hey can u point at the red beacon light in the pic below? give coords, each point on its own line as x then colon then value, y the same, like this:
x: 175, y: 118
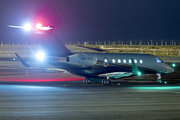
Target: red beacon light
x: 38, y: 26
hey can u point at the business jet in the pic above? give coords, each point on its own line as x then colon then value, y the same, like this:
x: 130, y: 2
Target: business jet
x: 98, y: 67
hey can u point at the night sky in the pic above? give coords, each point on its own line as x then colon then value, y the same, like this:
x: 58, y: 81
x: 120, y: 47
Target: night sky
x: 92, y: 20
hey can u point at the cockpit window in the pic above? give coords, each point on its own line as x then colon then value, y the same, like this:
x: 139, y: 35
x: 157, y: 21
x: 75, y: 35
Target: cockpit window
x: 158, y: 60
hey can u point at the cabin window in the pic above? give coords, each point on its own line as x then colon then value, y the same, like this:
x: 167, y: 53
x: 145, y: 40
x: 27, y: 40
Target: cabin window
x: 158, y: 60
x: 124, y: 61
x: 129, y: 61
x: 105, y: 60
x: 119, y: 61
x: 113, y: 61
x: 141, y: 61
x: 135, y: 61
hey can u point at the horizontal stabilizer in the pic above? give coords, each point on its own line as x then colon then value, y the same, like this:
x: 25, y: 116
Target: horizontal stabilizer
x: 97, y: 49
x: 22, y: 61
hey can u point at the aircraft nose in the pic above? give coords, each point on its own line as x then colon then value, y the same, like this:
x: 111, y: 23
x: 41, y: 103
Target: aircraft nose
x: 169, y: 69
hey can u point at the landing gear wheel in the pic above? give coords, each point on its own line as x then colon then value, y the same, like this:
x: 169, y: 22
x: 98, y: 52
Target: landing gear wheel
x: 106, y: 81
x: 87, y: 81
x: 84, y: 81
x: 159, y: 81
x: 159, y: 78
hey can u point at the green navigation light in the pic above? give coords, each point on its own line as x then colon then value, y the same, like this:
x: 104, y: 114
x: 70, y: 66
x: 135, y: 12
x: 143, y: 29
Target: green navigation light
x: 139, y: 73
x: 173, y: 65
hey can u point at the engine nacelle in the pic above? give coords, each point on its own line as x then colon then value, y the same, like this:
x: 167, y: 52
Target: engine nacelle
x: 82, y: 59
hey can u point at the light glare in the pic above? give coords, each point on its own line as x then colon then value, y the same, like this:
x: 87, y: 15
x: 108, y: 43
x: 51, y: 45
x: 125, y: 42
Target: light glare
x: 27, y: 26
x: 38, y: 25
x: 139, y: 73
x: 40, y: 56
x: 174, y: 65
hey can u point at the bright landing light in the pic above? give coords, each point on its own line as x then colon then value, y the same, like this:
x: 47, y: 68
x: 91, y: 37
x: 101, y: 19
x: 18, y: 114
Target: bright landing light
x: 27, y: 26
x: 40, y: 56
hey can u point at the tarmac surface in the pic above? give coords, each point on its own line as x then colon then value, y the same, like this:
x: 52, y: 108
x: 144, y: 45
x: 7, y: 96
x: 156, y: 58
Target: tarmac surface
x: 53, y: 96
x: 48, y: 95
x: 75, y: 101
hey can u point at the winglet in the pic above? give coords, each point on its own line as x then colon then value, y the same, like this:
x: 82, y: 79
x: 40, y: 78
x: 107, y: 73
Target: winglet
x: 22, y: 61
x: 135, y: 69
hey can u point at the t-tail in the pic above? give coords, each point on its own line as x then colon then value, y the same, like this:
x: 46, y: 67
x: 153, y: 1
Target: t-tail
x: 52, y: 46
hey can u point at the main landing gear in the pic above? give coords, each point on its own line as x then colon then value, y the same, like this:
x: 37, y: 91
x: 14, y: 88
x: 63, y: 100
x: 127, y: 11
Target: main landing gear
x: 87, y: 81
x: 159, y: 78
x: 106, y: 81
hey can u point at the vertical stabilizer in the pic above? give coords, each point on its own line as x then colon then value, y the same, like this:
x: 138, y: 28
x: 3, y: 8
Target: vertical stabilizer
x: 52, y: 46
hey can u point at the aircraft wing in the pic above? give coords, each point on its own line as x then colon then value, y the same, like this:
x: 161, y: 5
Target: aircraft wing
x: 116, y: 75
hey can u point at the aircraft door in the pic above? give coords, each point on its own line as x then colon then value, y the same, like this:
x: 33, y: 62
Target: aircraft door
x: 105, y: 62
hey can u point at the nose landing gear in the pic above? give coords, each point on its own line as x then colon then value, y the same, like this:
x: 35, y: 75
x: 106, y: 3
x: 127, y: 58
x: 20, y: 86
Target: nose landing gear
x: 105, y: 81
x: 159, y: 78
